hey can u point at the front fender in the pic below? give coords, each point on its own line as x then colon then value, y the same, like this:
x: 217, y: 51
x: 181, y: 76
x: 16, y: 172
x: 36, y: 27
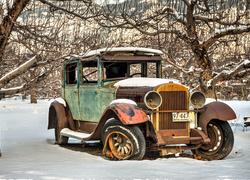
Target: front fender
x: 215, y: 110
x: 129, y: 113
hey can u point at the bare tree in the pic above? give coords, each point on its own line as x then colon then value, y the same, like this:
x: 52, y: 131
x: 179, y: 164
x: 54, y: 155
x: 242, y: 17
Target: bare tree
x: 32, y: 51
x: 194, y: 34
x: 8, y: 21
x: 40, y: 40
x: 198, y: 24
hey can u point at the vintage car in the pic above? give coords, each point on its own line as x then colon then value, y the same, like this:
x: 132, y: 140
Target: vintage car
x: 117, y: 96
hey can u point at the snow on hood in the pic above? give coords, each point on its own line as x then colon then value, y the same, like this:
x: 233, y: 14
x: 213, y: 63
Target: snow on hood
x: 144, y: 82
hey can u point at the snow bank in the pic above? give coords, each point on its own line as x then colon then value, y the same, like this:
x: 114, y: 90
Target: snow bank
x: 29, y: 152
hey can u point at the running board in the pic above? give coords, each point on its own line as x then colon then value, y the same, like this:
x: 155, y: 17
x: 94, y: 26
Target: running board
x: 77, y: 135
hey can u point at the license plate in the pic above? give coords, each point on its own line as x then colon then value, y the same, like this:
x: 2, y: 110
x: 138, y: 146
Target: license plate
x: 180, y: 116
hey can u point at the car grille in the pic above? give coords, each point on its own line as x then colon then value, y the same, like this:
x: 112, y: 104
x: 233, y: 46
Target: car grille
x: 172, y: 100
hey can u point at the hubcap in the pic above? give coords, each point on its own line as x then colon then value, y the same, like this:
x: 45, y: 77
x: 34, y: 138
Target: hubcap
x: 120, y: 145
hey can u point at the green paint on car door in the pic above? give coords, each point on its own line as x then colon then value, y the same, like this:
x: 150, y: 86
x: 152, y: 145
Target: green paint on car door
x: 93, y: 101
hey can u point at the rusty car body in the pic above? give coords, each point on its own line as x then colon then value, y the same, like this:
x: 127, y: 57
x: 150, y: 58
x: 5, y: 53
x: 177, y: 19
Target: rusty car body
x: 118, y: 96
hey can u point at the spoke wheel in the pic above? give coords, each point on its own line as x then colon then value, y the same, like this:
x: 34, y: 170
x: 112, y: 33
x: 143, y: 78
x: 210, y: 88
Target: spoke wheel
x: 221, y: 141
x: 123, y: 142
x: 120, y: 145
x: 215, y: 134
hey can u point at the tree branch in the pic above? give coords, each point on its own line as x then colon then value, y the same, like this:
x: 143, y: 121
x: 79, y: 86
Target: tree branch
x: 217, y: 20
x: 24, y: 87
x: 225, y: 32
x: 67, y: 11
x: 16, y: 72
x: 240, y: 71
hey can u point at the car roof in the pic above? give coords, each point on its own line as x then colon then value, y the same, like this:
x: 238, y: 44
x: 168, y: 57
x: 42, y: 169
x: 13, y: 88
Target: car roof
x: 119, y: 51
x: 142, y: 51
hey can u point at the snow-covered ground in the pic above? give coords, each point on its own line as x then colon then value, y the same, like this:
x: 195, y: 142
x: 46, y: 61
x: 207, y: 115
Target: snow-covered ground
x: 28, y: 152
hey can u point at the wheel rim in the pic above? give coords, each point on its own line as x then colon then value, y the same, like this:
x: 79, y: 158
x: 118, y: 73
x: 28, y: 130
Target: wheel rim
x: 216, y: 136
x: 120, y: 145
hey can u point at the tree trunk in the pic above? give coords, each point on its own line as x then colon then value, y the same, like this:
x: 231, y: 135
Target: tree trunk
x: 24, y: 95
x: 33, y: 98
x: 205, y: 64
x: 200, y: 52
x: 208, y: 91
x: 7, y: 23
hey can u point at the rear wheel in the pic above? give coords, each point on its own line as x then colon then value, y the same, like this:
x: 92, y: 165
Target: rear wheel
x: 123, y: 142
x: 221, y: 144
x: 58, y: 127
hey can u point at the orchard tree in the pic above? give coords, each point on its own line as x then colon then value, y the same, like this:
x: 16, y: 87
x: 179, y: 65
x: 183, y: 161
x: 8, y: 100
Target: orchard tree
x: 39, y: 41
x: 19, y: 52
x: 196, y: 36
x: 30, y: 47
x: 8, y: 20
x: 199, y: 25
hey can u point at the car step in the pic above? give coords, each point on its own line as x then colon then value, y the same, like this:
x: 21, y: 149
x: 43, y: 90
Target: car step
x: 77, y: 135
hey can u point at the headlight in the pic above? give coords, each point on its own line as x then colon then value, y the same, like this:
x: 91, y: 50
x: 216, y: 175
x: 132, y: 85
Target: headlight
x: 153, y: 100
x: 197, y: 99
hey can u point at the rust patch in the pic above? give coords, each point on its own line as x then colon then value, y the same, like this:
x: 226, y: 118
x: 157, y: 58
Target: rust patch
x: 129, y: 113
x: 215, y: 110
x: 198, y: 133
x: 134, y: 93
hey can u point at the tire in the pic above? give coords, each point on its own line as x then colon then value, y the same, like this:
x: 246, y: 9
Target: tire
x: 124, y: 142
x: 61, y: 140
x: 221, y: 144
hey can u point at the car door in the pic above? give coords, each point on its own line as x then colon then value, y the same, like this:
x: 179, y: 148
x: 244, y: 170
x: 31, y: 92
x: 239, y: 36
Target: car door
x: 71, y: 88
x: 93, y: 98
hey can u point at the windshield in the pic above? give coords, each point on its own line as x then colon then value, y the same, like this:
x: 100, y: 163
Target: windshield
x: 122, y: 70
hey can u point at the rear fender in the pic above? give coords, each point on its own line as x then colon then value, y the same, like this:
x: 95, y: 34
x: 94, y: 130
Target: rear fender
x: 63, y: 114
x: 56, y: 109
x: 215, y: 110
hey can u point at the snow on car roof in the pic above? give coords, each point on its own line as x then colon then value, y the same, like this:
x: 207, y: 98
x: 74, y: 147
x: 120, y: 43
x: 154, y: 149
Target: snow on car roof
x: 147, y: 51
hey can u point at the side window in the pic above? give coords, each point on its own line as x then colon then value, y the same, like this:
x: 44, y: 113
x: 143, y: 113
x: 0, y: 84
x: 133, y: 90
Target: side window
x: 89, y: 72
x: 152, y: 70
x: 115, y: 70
x: 71, y: 73
x: 136, y: 70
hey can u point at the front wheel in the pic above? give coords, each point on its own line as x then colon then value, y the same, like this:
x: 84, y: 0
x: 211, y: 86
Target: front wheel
x: 123, y: 142
x: 221, y: 144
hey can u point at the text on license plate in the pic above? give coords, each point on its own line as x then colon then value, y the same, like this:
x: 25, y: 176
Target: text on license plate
x: 180, y: 116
